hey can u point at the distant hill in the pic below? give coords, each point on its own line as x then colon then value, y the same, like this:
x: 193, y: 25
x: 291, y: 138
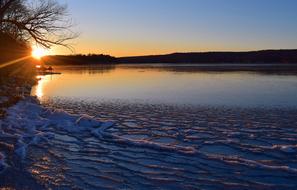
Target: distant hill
x: 261, y: 57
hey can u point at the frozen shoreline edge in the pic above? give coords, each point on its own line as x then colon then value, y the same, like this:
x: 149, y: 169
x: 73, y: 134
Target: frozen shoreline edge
x: 28, y: 123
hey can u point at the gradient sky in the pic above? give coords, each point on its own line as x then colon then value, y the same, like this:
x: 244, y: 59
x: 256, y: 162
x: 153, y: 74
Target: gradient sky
x: 141, y: 27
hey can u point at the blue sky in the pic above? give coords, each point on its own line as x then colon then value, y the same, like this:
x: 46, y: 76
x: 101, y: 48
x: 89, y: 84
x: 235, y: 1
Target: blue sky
x: 138, y: 27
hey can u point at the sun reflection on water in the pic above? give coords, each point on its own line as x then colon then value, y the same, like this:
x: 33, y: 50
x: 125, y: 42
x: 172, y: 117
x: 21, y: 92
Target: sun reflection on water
x: 39, y: 88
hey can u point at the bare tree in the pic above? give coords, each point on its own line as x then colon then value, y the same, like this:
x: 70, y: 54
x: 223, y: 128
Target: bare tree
x: 41, y: 21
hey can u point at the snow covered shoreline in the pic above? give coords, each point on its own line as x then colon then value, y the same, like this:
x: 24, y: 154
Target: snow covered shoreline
x: 29, y: 123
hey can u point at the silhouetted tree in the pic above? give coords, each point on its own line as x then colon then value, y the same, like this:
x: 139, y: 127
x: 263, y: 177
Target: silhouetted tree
x: 44, y: 22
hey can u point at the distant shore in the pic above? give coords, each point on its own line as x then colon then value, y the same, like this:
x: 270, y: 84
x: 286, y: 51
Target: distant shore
x: 249, y: 57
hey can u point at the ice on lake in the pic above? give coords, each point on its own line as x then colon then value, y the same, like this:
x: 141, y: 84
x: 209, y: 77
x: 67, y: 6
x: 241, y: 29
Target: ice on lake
x: 73, y: 142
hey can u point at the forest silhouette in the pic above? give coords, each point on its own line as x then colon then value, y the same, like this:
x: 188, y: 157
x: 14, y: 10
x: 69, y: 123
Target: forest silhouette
x: 251, y: 57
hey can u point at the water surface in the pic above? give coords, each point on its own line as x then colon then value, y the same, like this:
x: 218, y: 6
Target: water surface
x: 167, y: 84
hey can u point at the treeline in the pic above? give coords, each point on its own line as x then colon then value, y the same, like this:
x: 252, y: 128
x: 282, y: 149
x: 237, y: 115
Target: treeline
x: 261, y: 57
x: 79, y: 59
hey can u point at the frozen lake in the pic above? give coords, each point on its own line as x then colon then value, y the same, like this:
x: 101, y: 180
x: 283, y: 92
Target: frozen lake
x: 165, y: 128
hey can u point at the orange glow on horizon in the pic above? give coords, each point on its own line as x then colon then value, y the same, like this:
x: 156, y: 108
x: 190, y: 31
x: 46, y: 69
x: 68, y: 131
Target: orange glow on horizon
x: 131, y: 48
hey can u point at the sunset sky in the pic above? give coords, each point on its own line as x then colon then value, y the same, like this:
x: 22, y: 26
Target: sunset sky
x: 141, y: 27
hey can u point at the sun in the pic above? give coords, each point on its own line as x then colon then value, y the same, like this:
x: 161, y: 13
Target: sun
x: 38, y: 53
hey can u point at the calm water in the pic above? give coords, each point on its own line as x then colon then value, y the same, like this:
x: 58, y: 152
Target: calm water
x: 169, y: 85
x: 174, y: 128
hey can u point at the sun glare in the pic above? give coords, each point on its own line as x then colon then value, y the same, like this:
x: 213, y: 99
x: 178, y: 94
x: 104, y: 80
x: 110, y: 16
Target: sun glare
x: 38, y: 53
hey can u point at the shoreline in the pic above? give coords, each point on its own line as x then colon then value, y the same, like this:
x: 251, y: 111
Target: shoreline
x: 13, y: 90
